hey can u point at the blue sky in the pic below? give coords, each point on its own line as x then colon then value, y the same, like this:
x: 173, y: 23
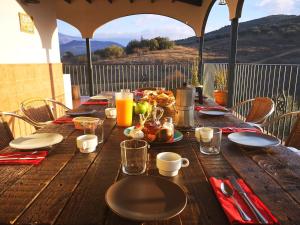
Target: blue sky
x: 132, y: 27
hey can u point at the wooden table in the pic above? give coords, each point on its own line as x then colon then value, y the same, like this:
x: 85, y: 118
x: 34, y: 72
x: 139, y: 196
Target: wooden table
x: 69, y: 187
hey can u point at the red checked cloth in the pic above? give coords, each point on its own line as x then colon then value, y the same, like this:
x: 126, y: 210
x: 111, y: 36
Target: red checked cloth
x: 22, y: 158
x: 229, y: 130
x: 230, y: 209
x: 198, y: 108
x: 62, y: 120
x: 95, y: 103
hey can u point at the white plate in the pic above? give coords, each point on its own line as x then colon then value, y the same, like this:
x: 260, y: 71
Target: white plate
x: 251, y: 139
x: 99, y: 97
x: 35, y: 141
x: 214, y: 112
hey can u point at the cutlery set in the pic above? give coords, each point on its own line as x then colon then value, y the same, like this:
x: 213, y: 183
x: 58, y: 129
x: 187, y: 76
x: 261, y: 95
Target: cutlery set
x: 229, y: 192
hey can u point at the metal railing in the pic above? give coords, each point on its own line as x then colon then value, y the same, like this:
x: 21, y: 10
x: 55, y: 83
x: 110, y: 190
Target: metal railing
x: 116, y: 77
x: 279, y: 82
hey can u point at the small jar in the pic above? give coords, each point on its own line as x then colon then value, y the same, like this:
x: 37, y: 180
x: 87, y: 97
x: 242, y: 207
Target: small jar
x: 168, y: 124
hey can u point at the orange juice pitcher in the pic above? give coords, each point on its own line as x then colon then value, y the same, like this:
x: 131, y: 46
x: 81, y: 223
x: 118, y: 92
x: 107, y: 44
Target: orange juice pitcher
x: 124, y: 104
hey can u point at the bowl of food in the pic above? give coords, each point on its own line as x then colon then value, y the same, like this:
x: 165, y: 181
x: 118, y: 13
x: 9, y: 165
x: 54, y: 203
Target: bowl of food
x: 82, y: 122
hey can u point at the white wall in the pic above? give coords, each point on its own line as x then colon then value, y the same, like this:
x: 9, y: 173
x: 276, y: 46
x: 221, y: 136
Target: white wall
x: 17, y: 47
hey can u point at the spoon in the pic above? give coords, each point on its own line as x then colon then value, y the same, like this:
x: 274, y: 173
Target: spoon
x: 228, y: 192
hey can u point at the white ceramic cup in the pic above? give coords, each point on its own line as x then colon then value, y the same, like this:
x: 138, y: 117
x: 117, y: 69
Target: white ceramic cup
x: 169, y: 163
x: 111, y: 113
x: 87, y: 143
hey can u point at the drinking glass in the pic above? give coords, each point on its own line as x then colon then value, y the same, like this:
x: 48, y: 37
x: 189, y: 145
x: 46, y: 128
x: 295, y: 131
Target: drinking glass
x: 95, y: 128
x: 134, y: 156
x: 124, y: 104
x: 197, y: 133
x: 210, y: 140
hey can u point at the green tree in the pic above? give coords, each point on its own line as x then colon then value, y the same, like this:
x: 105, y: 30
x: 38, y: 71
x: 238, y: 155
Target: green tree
x: 164, y: 43
x: 153, y: 45
x: 131, y: 46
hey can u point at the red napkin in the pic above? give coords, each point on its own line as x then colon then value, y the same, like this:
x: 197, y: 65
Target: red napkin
x: 198, y: 108
x: 22, y: 158
x: 62, y: 120
x: 230, y: 209
x: 229, y: 130
x: 95, y: 103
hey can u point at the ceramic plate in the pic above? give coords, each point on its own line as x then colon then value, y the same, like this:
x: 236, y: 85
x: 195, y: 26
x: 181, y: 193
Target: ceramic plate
x: 251, y: 139
x: 178, y: 136
x: 146, y: 198
x: 99, y: 97
x: 214, y: 112
x: 34, y: 141
x: 81, y: 113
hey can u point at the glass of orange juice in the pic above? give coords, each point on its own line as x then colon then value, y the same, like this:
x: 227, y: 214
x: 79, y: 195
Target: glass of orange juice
x: 124, y: 104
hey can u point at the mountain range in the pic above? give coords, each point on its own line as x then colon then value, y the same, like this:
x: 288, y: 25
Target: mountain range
x: 271, y: 39
x: 77, y: 46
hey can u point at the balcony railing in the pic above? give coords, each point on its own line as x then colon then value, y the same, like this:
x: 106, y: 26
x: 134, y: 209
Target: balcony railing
x: 116, y: 77
x: 279, y: 82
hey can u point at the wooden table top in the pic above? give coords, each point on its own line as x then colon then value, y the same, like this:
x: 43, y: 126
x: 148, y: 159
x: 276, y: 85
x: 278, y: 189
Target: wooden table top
x: 69, y: 187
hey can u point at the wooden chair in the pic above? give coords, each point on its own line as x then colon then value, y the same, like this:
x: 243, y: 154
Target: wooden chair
x: 6, y: 134
x: 259, y: 109
x: 292, y: 119
x: 41, y: 111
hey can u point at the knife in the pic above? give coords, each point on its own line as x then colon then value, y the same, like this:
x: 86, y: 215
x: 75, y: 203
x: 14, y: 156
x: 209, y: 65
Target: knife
x: 237, y: 186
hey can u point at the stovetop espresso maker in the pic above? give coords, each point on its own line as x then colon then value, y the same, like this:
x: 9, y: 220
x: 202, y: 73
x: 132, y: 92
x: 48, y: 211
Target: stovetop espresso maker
x: 185, y: 104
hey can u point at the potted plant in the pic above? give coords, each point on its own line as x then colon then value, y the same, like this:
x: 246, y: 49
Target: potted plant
x: 221, y: 93
x: 195, y: 82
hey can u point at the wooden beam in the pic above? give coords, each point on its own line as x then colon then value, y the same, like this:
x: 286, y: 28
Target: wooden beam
x: 89, y: 66
x: 192, y: 2
x: 232, y: 60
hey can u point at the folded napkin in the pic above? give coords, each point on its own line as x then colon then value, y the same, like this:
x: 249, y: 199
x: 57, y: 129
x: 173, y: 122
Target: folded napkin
x: 229, y: 130
x: 230, y: 209
x: 62, y: 120
x: 23, y: 158
x: 198, y: 108
x: 95, y: 103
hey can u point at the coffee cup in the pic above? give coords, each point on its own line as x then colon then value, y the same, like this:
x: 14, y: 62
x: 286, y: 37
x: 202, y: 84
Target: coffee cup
x: 87, y: 143
x: 111, y: 113
x: 169, y: 163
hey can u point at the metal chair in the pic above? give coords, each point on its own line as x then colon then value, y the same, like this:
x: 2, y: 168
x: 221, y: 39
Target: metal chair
x: 259, y: 109
x: 41, y: 111
x: 291, y: 134
x: 6, y: 134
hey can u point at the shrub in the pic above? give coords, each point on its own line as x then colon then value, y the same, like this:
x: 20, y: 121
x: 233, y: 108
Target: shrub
x: 110, y: 52
x: 164, y: 43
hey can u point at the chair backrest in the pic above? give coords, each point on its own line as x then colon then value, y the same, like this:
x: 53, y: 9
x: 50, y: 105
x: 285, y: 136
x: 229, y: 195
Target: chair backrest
x: 37, y: 110
x: 293, y: 139
x: 286, y: 127
x: 5, y: 133
x: 260, y: 110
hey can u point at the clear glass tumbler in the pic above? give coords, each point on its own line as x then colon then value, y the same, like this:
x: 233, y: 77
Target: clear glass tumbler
x: 134, y: 156
x: 210, y: 140
x: 95, y: 128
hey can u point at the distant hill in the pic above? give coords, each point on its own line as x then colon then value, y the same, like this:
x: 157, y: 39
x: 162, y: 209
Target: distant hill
x: 76, y: 45
x: 272, y: 39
